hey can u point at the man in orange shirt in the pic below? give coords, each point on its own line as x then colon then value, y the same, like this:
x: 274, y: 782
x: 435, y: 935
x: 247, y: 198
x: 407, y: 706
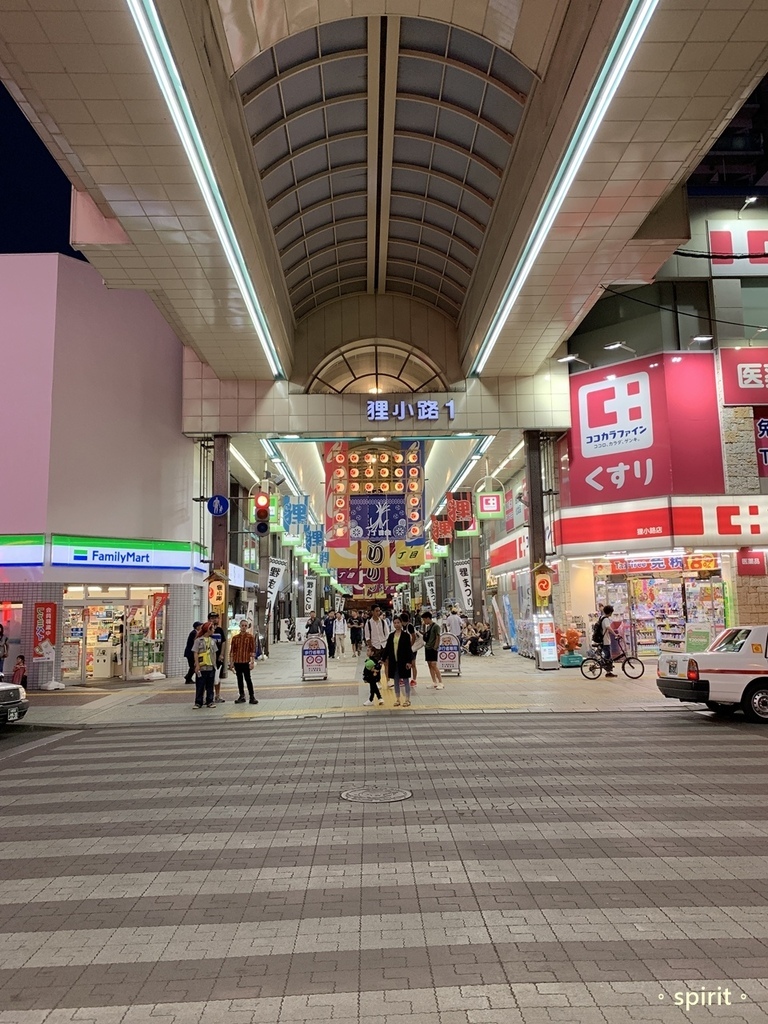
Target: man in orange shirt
x: 242, y: 656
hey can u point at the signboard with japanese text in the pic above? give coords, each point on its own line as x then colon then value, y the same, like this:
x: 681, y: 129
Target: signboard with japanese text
x: 751, y: 563
x: 377, y: 517
x: 314, y: 657
x: 449, y: 655
x: 277, y: 567
x: 44, y: 640
x: 490, y: 505
x: 645, y: 429
x: 458, y: 509
x: 509, y: 510
x: 397, y: 410
x: 738, y: 237
x: 463, y: 569
x: 745, y: 376
x: 760, y: 415
x: 310, y: 583
x: 429, y: 586
x: 657, y: 563
x: 336, y: 494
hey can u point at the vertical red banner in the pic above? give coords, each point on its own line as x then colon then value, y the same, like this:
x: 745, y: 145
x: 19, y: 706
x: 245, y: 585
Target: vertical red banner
x: 335, y: 459
x: 44, y: 648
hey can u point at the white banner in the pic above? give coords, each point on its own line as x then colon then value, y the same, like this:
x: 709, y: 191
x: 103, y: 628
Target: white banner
x: 339, y: 603
x: 397, y: 602
x: 429, y: 583
x: 309, y: 594
x: 277, y: 567
x: 463, y: 570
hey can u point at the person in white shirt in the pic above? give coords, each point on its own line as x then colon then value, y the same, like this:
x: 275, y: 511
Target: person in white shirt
x: 453, y: 624
x: 376, y: 632
x: 340, y: 633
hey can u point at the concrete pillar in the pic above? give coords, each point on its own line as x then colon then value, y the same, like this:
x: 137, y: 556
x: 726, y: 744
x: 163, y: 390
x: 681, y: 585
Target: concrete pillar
x: 537, y: 544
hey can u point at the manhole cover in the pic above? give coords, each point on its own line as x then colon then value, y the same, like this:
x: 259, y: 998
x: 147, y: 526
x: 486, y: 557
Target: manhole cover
x: 375, y: 795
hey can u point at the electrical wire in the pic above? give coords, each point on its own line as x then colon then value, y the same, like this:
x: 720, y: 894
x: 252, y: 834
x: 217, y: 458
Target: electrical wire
x: 681, y: 312
x: 697, y: 254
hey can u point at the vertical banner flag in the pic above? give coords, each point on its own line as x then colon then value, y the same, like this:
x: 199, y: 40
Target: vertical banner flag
x: 309, y: 594
x: 44, y: 641
x: 463, y: 571
x: 458, y: 507
x: 159, y: 601
x: 335, y: 455
x: 277, y: 567
x: 411, y: 467
x: 397, y: 602
x: 429, y: 583
x: 339, y: 603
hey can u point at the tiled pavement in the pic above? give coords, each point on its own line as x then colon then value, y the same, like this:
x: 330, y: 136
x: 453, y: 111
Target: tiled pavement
x: 585, y: 869
x: 505, y: 683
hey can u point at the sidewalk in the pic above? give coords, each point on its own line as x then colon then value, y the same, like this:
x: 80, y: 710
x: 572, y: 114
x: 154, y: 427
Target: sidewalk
x: 505, y: 683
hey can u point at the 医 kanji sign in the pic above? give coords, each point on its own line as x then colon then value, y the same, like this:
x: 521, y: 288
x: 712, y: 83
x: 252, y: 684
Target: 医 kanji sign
x: 745, y: 376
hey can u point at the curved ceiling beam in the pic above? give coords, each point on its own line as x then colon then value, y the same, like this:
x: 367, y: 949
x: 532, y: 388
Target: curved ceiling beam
x: 454, y: 147
x: 351, y: 97
x: 440, y: 206
x: 316, y: 177
x: 432, y: 227
x: 317, y: 231
x: 337, y: 284
x: 513, y: 94
x: 282, y: 76
x: 308, y: 259
x: 315, y: 144
x: 422, y: 246
x: 454, y: 108
x: 319, y: 273
x: 418, y: 284
x: 318, y: 206
x: 443, y: 176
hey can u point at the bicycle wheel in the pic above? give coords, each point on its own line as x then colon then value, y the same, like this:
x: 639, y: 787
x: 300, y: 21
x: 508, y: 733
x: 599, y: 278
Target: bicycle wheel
x: 591, y: 668
x: 633, y: 668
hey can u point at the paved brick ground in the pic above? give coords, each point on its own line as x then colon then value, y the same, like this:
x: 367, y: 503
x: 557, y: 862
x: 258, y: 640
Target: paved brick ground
x: 585, y: 869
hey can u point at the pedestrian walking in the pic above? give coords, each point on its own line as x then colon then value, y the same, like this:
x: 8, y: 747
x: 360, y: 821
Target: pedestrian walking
x: 219, y: 634
x: 328, y: 624
x: 376, y: 632
x: 204, y: 649
x: 189, y: 678
x: 355, y: 634
x: 411, y: 631
x: 372, y: 675
x: 431, y: 633
x: 398, y: 656
x: 340, y: 634
x: 314, y: 626
x: 242, y: 657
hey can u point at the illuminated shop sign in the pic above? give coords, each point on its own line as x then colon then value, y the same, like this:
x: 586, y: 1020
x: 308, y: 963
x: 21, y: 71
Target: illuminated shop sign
x: 22, y: 549
x: 118, y: 553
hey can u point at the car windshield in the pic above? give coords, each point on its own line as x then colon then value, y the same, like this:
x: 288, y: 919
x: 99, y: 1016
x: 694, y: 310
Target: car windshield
x: 731, y: 641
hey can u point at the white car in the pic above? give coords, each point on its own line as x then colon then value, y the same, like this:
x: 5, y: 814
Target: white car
x: 13, y: 703
x: 732, y: 673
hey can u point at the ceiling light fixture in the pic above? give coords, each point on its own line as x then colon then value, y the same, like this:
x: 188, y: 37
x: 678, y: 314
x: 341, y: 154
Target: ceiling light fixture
x: 700, y: 339
x: 574, y: 359
x: 620, y: 344
x: 246, y: 466
x: 168, y: 78
x: 627, y: 40
x: 747, y: 202
x: 378, y: 440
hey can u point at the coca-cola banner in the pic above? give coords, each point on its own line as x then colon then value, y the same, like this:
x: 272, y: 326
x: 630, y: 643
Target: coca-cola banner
x: 645, y: 428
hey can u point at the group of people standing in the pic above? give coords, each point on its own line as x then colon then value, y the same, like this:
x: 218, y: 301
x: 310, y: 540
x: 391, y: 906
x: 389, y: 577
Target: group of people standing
x: 393, y: 650
x: 205, y: 653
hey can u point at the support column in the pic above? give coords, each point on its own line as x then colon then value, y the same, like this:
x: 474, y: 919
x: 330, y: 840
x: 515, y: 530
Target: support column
x: 537, y: 542
x: 220, y: 524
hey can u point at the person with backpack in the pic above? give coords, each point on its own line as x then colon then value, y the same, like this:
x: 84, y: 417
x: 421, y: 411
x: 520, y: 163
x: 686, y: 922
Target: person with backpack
x: 603, y: 636
x: 431, y: 634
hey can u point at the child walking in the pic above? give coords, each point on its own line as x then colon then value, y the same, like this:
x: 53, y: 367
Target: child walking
x: 372, y: 675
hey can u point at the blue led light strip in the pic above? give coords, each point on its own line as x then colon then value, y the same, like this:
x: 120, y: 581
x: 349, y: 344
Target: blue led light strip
x: 160, y: 57
x: 624, y: 46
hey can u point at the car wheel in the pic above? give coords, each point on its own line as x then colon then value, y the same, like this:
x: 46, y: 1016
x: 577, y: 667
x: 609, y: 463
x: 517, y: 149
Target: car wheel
x: 723, y: 710
x: 754, y: 703
x: 591, y: 668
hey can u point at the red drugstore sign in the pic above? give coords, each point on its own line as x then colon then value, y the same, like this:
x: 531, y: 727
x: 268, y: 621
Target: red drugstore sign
x: 645, y: 429
x: 750, y: 563
x: 44, y: 647
x: 745, y: 375
x: 657, y: 563
x: 761, y: 440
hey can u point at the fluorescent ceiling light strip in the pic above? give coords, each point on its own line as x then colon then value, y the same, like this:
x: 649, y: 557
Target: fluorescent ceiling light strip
x: 160, y: 57
x: 486, y: 443
x: 621, y: 53
x: 246, y: 466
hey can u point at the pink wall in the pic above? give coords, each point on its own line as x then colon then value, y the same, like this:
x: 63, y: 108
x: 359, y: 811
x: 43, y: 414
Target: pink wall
x: 120, y: 465
x: 27, y: 319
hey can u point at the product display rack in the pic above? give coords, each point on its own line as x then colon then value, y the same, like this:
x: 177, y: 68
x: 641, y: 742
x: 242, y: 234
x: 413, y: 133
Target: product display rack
x: 670, y: 630
x: 646, y: 639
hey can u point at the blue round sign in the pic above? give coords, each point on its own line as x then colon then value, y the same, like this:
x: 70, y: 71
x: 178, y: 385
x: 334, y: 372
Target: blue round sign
x: 218, y: 505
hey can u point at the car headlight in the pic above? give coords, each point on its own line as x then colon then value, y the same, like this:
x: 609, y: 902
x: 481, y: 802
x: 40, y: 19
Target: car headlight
x: 22, y: 693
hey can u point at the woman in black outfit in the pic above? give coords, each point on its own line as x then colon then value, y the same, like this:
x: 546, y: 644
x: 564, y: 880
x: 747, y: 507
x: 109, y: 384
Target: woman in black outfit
x: 398, y: 655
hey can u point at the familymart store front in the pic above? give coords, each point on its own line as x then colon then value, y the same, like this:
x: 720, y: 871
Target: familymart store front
x: 108, y: 608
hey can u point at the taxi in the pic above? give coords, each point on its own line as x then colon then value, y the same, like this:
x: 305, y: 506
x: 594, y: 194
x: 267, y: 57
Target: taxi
x: 13, y: 703
x: 732, y: 673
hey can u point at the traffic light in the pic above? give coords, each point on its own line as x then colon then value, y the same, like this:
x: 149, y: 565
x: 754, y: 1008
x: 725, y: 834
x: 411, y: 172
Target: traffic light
x: 261, y: 510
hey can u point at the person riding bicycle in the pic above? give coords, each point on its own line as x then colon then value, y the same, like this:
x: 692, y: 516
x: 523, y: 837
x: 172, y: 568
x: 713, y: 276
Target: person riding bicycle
x: 609, y: 638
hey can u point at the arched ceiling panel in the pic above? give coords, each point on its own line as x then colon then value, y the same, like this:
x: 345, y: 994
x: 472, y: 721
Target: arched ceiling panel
x: 381, y: 144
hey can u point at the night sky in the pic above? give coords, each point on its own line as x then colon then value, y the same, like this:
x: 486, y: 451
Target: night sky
x: 36, y: 192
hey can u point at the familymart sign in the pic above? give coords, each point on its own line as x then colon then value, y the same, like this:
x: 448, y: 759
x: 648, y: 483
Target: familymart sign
x: 115, y: 553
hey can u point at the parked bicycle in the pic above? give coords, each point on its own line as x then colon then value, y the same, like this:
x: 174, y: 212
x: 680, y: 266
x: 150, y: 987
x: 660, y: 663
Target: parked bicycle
x: 596, y: 663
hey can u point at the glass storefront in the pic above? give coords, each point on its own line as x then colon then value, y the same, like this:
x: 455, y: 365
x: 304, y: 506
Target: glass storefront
x: 113, y: 632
